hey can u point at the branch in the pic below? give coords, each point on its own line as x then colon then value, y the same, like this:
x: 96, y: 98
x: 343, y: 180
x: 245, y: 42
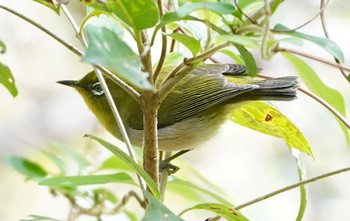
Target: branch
x: 279, y: 49
x: 38, y: 26
x: 293, y: 186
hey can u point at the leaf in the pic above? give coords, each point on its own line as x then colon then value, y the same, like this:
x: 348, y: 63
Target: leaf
x: 302, y: 189
x: 221, y: 210
x: 2, y: 47
x: 266, y: 119
x: 191, y: 43
x: 233, y: 55
x: 114, y: 162
x: 139, y: 14
x: 248, y: 59
x: 103, y: 20
x: 173, y: 59
x: 325, y: 43
x: 56, y: 160
x: 220, y: 8
x: 50, y: 4
x: 129, y: 161
x: 87, y: 180
x: 26, y: 167
x: 156, y: 210
x: 39, y: 218
x: 107, y: 49
x: 194, y: 187
x: 7, y: 79
x: 241, y: 40
x: 78, y: 158
x: 314, y: 83
x: 131, y: 215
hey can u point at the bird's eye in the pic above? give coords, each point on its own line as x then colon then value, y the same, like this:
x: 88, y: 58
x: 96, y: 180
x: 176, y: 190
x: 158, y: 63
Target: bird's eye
x: 97, y: 89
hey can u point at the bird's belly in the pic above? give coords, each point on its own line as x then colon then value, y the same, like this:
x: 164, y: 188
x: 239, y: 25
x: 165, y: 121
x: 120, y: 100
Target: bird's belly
x: 189, y: 133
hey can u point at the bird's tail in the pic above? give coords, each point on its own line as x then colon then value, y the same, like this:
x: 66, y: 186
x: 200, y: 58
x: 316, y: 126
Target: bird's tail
x: 282, y: 88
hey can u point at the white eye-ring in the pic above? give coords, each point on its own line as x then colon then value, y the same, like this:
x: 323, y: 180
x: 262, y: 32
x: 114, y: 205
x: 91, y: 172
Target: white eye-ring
x: 97, y: 89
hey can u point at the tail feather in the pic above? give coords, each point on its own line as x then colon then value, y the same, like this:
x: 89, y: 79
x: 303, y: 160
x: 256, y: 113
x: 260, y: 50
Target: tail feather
x: 283, y: 88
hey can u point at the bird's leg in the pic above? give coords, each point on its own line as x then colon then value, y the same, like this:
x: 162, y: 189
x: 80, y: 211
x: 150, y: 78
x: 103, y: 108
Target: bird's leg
x: 166, y: 165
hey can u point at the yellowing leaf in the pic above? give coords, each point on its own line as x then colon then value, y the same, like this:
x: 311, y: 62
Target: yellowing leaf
x: 266, y: 119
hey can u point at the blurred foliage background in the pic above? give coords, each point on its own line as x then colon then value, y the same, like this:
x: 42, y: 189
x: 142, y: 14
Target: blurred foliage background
x: 244, y: 163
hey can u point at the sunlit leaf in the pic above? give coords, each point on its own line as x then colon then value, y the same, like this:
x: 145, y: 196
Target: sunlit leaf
x: 191, y: 43
x: 78, y: 158
x: 241, y: 39
x: 266, y: 119
x: 50, y: 4
x: 103, y: 20
x: 156, y: 210
x: 26, y: 167
x: 224, y: 211
x: 315, y: 84
x: 173, y: 59
x: 7, y: 79
x: 87, y: 180
x: 248, y: 59
x: 130, y: 162
x: 325, y: 43
x: 233, y: 55
x: 56, y: 160
x: 107, y: 49
x: 131, y: 215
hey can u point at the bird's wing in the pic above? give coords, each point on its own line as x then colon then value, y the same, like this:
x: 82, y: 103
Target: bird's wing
x: 211, y: 88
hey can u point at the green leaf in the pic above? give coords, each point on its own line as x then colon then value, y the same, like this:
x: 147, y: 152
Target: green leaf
x: 56, y: 160
x: 241, y: 40
x: 266, y: 119
x: 194, y: 187
x: 315, y: 84
x: 107, y: 49
x: 156, y: 210
x: 78, y: 158
x: 39, y: 218
x: 173, y: 59
x: 50, y: 4
x: 114, y: 162
x: 129, y: 161
x: 224, y: 211
x: 106, y: 21
x: 2, y: 47
x: 131, y: 215
x: 87, y: 180
x: 220, y: 8
x: 248, y: 59
x: 325, y: 43
x: 302, y: 191
x: 191, y: 43
x: 139, y: 14
x: 233, y: 55
x: 7, y: 79
x: 26, y: 167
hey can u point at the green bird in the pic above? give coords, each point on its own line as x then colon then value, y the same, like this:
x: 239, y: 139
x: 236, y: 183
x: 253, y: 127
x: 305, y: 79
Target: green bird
x: 193, y: 111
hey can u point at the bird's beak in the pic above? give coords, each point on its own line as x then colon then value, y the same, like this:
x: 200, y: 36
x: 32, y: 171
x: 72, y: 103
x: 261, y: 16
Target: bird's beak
x: 69, y: 83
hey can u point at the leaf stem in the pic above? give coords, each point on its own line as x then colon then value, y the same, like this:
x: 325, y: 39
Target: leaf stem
x: 38, y: 26
x: 293, y: 186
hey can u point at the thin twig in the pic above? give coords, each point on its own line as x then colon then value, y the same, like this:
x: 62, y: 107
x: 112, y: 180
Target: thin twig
x: 54, y: 36
x: 109, y: 97
x: 287, y: 188
x: 242, y: 12
x: 340, y: 66
x: 164, y: 44
x: 266, y: 30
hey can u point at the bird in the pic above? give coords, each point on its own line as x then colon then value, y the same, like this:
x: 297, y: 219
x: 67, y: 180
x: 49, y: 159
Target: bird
x: 193, y: 111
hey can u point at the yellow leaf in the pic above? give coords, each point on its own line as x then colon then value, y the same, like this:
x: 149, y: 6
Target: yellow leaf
x: 266, y: 119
